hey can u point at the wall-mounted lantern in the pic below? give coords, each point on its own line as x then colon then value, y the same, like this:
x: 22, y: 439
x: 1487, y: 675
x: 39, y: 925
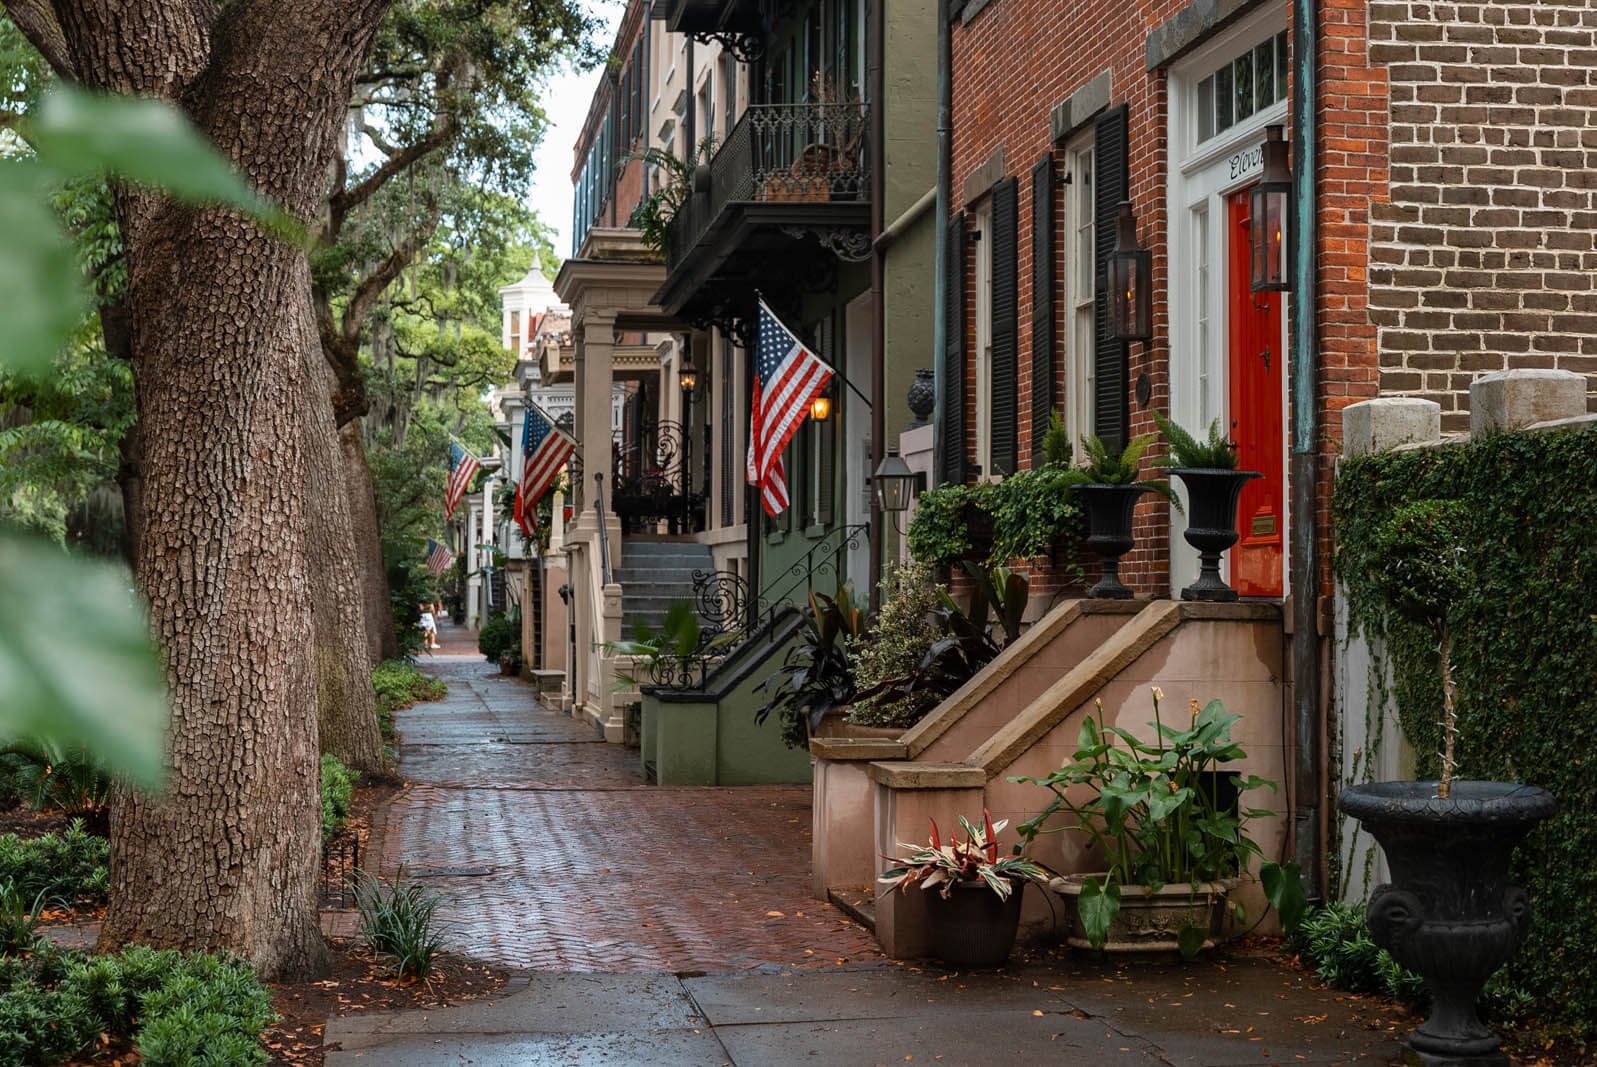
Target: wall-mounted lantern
x: 1130, y: 278
x: 894, y: 482
x: 686, y: 379
x: 821, y: 407
x: 1270, y: 217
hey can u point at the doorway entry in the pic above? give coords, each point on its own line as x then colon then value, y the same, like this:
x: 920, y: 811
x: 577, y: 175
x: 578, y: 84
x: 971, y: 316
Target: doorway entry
x: 1255, y: 364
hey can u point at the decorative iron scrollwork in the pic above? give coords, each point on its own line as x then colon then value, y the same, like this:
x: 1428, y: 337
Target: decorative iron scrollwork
x: 721, y: 599
x: 845, y: 242
x: 747, y: 47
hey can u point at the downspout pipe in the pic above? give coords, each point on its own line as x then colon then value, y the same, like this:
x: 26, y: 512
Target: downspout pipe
x: 878, y: 181
x: 943, y: 204
x: 1308, y: 787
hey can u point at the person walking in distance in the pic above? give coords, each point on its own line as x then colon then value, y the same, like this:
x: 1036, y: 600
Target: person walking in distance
x: 429, y: 628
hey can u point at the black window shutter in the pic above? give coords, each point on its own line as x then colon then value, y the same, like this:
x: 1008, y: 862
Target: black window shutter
x: 1006, y: 326
x: 1111, y: 421
x: 1042, y: 302
x: 953, y: 443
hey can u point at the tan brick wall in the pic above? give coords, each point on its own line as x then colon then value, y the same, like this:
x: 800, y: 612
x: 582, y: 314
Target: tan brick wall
x: 1482, y: 259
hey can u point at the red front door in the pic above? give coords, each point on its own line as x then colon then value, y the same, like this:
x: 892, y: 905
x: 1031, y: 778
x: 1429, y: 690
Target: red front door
x: 1256, y: 365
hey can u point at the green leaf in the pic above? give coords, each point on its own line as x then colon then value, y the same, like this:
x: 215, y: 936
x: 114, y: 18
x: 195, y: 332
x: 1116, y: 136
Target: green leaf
x: 1283, y: 888
x: 1191, y: 939
x: 80, y: 134
x: 39, y: 273
x: 81, y: 670
x: 1098, y: 905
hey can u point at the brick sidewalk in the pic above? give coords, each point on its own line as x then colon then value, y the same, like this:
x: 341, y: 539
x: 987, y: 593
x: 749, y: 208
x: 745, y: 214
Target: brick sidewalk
x: 552, y: 855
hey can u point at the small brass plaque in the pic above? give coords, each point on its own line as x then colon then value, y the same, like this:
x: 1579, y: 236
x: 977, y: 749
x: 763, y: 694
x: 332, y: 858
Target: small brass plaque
x: 1263, y: 525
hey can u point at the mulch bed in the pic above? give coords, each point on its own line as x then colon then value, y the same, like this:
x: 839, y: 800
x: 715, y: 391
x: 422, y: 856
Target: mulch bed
x: 361, y: 983
x: 28, y: 824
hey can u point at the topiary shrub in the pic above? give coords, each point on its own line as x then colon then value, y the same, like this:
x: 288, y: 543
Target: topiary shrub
x: 497, y: 636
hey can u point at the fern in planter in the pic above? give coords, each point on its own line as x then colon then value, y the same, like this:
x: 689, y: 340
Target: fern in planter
x: 1213, y: 453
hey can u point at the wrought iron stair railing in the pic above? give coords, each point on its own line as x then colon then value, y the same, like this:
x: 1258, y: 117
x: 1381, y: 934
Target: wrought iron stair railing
x: 729, y: 618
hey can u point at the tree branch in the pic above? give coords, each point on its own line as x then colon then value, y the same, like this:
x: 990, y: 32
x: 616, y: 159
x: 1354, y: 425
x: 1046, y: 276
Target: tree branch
x: 37, y: 22
x: 343, y: 201
x: 364, y: 298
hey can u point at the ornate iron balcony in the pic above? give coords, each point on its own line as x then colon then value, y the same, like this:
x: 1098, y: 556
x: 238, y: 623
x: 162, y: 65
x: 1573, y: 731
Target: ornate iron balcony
x: 778, y: 154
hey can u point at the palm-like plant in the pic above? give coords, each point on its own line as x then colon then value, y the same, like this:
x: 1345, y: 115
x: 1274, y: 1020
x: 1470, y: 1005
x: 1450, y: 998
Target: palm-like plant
x: 652, y: 217
x: 817, y: 674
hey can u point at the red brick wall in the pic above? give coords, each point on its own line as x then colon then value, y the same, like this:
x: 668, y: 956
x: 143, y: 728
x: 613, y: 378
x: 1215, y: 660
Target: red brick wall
x: 1353, y: 156
x: 1012, y: 64
x: 1016, y: 60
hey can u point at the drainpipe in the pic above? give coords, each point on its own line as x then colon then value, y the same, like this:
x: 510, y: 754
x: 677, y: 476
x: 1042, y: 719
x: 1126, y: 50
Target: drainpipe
x: 943, y: 206
x: 1307, y: 770
x: 878, y: 266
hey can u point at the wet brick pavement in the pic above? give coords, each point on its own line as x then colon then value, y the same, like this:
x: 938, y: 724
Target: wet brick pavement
x: 552, y: 855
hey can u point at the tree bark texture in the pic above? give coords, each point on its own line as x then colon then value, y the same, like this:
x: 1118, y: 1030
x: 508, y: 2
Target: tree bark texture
x: 382, y: 643
x: 346, y: 702
x: 222, y: 336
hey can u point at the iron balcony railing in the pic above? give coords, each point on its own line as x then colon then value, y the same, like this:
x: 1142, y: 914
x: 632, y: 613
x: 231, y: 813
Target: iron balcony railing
x: 778, y: 153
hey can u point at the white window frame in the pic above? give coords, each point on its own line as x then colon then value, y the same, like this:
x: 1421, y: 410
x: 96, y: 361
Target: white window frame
x: 983, y: 236
x: 1080, y: 325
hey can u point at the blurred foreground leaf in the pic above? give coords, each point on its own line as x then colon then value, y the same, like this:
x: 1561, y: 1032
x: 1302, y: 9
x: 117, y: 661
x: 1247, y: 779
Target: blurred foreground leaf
x: 77, y: 134
x: 75, y: 661
x: 39, y: 273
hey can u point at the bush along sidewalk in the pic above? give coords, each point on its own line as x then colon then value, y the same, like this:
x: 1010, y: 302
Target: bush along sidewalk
x: 338, y: 785
x: 67, y: 868
x: 59, y: 1006
x: 398, y: 684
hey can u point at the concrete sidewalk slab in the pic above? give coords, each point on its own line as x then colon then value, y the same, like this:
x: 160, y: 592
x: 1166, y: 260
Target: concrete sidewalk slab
x: 1218, y: 1014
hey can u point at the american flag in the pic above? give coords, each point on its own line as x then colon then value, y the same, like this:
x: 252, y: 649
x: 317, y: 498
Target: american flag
x: 544, y: 450
x: 462, y: 468
x: 438, y: 558
x: 786, y: 378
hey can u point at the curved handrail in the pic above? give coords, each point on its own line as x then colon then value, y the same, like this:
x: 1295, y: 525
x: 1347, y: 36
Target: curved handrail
x: 804, y: 570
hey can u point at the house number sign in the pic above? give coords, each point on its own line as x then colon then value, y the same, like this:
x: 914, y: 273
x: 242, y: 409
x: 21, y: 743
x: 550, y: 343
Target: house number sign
x: 1247, y: 161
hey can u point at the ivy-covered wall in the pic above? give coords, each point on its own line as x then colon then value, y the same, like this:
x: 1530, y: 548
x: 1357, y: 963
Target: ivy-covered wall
x: 1524, y: 660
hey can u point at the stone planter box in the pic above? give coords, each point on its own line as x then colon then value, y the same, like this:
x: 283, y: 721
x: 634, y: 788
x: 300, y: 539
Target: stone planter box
x: 1149, y: 924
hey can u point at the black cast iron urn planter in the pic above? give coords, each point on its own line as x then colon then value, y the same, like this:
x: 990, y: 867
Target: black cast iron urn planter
x: 1109, y: 510
x: 1449, y: 913
x: 1212, y: 494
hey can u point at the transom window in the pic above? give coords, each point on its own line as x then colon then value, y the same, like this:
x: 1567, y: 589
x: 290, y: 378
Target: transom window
x: 1240, y: 87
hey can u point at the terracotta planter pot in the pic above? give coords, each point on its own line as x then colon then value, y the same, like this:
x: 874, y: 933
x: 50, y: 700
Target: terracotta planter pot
x: 973, y: 928
x: 1149, y: 923
x: 1449, y: 912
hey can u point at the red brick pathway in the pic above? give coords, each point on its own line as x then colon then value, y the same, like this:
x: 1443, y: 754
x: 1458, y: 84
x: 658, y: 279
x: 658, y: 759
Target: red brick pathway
x: 552, y: 855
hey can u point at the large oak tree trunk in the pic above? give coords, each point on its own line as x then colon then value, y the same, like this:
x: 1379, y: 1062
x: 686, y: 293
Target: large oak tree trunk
x: 382, y: 642
x: 222, y: 336
x: 229, y: 856
x: 348, y: 706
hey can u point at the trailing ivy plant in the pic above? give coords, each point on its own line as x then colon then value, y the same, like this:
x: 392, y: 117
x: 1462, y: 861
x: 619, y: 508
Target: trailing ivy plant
x: 939, y: 534
x: 1524, y: 656
x: 1032, y: 509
